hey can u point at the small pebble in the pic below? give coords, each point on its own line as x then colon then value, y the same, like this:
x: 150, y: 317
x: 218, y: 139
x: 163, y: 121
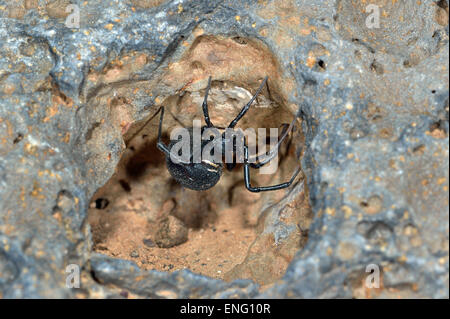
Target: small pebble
x: 148, y: 242
x: 171, y: 232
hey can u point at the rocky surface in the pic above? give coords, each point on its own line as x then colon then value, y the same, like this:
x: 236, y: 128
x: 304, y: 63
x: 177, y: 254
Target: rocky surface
x: 374, y: 105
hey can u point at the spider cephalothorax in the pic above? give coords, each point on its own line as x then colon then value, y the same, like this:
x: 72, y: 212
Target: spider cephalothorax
x: 205, y: 173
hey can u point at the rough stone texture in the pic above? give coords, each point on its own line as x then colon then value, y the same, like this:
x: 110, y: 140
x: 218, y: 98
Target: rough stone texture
x: 375, y: 104
x: 179, y: 284
x: 282, y: 232
x: 173, y: 232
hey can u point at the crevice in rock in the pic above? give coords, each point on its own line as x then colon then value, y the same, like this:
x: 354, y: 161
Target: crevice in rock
x: 225, y: 232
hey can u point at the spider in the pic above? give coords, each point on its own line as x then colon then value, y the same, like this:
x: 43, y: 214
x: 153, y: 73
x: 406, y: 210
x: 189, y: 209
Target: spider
x: 206, y: 174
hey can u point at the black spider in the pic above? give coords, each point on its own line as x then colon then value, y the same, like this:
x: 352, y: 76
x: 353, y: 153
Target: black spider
x: 206, y: 174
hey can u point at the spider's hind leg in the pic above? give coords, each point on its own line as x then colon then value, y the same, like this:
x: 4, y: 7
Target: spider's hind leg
x: 266, y: 158
x: 161, y: 146
x: 262, y: 188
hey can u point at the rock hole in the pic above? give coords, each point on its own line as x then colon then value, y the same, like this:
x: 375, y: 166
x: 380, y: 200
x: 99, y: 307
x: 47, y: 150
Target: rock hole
x: 442, y: 4
x: 91, y: 130
x: 94, y: 277
x: 240, y: 40
x: 376, y: 67
x: 226, y: 231
x: 18, y: 138
x: 321, y: 64
x: 419, y: 150
x: 438, y: 129
x: 101, y: 203
x: 125, y: 185
x: 373, y: 205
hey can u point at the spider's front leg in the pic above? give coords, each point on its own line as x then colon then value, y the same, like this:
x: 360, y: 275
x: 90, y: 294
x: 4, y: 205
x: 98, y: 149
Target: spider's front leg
x: 262, y: 188
x: 161, y: 146
x: 262, y: 160
x: 205, y: 105
x: 247, y: 106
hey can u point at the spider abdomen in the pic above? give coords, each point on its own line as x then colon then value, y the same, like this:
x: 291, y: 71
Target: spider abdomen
x: 196, y: 176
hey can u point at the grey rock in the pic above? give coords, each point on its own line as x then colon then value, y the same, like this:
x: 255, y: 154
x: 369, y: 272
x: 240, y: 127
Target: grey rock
x: 154, y: 284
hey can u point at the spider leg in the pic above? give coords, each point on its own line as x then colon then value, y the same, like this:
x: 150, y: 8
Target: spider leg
x: 205, y: 105
x: 262, y: 160
x: 247, y: 106
x: 161, y: 146
x: 264, y: 188
x: 232, y: 165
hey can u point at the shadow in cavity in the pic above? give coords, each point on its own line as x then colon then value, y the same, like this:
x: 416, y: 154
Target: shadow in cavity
x: 147, y: 156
